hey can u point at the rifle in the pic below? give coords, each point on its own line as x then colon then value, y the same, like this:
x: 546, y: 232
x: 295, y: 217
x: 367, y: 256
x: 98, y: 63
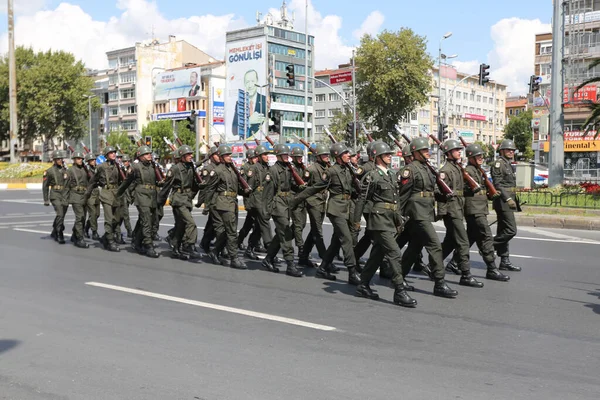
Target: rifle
x: 445, y: 189
x: 473, y: 185
x: 492, y: 193
x: 395, y: 140
x: 246, y: 146
x: 297, y: 178
x: 197, y: 175
x: 355, y: 180
x: 120, y: 165
x: 369, y: 137
x: 331, y: 137
x: 179, y: 142
x: 304, y: 142
x: 85, y: 167
x: 87, y: 151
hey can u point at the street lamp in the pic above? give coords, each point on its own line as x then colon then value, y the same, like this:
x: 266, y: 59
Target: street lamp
x: 446, y: 36
x: 89, y: 97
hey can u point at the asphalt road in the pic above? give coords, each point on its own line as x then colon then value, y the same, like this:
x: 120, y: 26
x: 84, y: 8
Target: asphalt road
x: 89, y: 324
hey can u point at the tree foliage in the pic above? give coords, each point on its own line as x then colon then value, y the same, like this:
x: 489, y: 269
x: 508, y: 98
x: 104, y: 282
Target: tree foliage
x: 164, y: 128
x: 51, y: 90
x: 392, y: 77
x: 519, y: 130
x: 121, y: 140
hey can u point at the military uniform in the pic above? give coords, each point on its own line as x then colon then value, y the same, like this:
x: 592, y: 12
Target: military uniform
x: 92, y: 204
x: 209, y: 228
x: 299, y: 212
x: 250, y: 223
x: 362, y: 245
x: 55, y: 191
x: 259, y: 178
x: 78, y: 180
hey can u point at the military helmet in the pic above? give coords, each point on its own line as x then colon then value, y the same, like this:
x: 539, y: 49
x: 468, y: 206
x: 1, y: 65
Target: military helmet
x: 77, y: 154
x: 419, y: 143
x: 250, y: 153
x: 224, y: 150
x: 281, y: 149
x: 380, y: 148
x: 451, y: 144
x: 473, y: 150
x: 507, y: 144
x: 89, y: 157
x: 183, y: 150
x: 109, y: 149
x: 56, y: 154
x: 297, y: 152
x: 369, y: 147
x: 175, y: 153
x: 352, y: 151
x: 126, y: 158
x: 213, y: 150
x: 143, y: 150
x: 260, y: 150
x: 337, y: 149
x: 119, y: 154
x: 321, y: 150
x: 155, y: 156
x: 406, y: 151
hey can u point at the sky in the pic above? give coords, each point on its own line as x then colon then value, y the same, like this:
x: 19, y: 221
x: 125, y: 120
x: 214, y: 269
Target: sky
x: 499, y: 33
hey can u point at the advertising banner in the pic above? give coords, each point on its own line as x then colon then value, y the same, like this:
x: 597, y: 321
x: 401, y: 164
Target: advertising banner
x: 246, y: 103
x: 176, y: 84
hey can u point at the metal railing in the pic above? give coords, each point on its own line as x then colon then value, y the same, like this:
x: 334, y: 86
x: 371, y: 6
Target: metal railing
x: 567, y: 199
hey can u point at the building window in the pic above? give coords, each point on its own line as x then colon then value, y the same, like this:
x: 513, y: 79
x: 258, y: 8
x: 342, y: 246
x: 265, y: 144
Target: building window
x: 319, y: 129
x: 129, y: 125
x: 128, y: 77
x: 478, y: 97
x: 319, y: 98
x: 491, y: 100
x: 424, y: 113
x: 458, y: 95
x: 465, y: 96
x: 332, y: 112
x: 113, y: 95
x: 546, y: 49
x: 413, y: 116
x: 298, y: 69
x: 334, y: 97
x: 471, y: 110
x: 113, y: 111
x: 127, y: 60
x: 472, y: 123
x: 478, y: 112
x: 472, y: 97
x: 130, y: 110
x: 319, y: 113
x: 127, y: 94
x: 288, y: 51
x: 290, y: 99
x: 114, y: 126
x: 113, y: 79
x: 485, y: 99
x: 458, y: 109
x: 113, y: 63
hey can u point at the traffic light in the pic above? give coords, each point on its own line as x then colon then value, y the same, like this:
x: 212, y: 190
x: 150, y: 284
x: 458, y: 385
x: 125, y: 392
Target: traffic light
x: 350, y: 132
x: 534, y: 84
x: 149, y: 141
x: 274, y: 121
x: 291, y: 79
x: 483, y: 74
x: 191, y: 125
x: 443, y: 132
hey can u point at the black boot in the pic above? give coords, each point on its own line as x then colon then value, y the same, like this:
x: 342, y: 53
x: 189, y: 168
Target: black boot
x: 407, y: 287
x: 156, y: 237
x: 81, y: 244
x: 276, y: 260
x: 150, y: 252
x: 73, y: 238
x: 452, y: 267
x: 214, y: 258
x: 506, y: 265
x: 425, y: 270
x: 323, y: 272
x: 111, y: 246
x: 86, y: 231
x: 53, y: 235
x: 241, y: 246
x: 402, y: 298
x: 494, y: 274
x: 129, y: 233
x: 364, y: 290
x: 353, y: 276
x: 237, y: 264
x: 250, y: 254
x: 119, y: 238
x: 190, y: 250
x: 175, y: 253
x: 267, y: 265
x: 306, y: 262
x: 468, y: 280
x: 443, y: 290
x: 95, y: 235
x: 292, y: 270
x: 260, y: 249
x: 60, y: 238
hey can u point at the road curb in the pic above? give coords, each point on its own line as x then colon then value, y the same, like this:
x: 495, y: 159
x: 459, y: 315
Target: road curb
x: 20, y: 186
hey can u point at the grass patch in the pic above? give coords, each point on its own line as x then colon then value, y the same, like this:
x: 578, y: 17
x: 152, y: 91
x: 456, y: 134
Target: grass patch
x: 23, y: 171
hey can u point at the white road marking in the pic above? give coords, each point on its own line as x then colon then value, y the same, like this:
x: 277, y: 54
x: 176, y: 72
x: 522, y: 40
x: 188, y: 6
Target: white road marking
x: 217, y: 307
x: 36, y: 231
x: 520, y: 256
x: 570, y: 240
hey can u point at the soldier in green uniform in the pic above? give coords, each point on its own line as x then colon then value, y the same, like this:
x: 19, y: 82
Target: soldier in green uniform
x: 476, y: 211
x: 250, y: 221
x: 385, y: 221
x: 222, y: 191
x: 55, y: 191
x: 127, y: 199
x: 181, y: 184
x: 108, y: 178
x: 145, y: 180
x: 174, y: 250
x: 78, y: 180
x: 451, y: 210
x: 417, y: 190
x: 504, y: 178
x: 364, y: 243
x: 315, y: 207
x: 298, y: 212
x: 209, y: 228
x: 93, y: 203
x: 278, y: 195
x: 160, y: 212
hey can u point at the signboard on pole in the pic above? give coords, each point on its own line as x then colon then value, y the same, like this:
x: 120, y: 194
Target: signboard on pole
x: 342, y: 77
x: 175, y: 84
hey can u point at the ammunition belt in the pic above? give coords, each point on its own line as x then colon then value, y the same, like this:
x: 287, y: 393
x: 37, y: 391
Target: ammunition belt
x: 284, y: 194
x: 183, y: 190
x: 80, y: 188
x: 228, y: 194
x: 109, y: 186
x: 259, y: 189
x: 386, y: 206
x: 153, y: 187
x: 423, y: 194
x: 458, y: 192
x: 58, y: 187
x: 342, y: 196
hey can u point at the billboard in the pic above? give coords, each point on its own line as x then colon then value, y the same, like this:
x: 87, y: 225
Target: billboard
x: 246, y: 104
x: 181, y: 83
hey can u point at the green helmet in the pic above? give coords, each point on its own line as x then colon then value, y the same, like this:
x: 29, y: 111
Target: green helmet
x: 175, y: 153
x: 183, y: 150
x: 213, y: 150
x: 126, y: 158
x: 77, y: 154
x: 143, y: 150
x: 337, y: 149
x: 451, y: 144
x: 474, y: 150
x: 260, y: 150
x: 507, y: 144
x: 90, y: 157
x: 56, y: 154
x: 406, y: 151
x: 119, y: 154
x: 109, y: 149
x: 419, y: 143
x: 297, y: 152
x: 352, y: 151
x: 370, y: 148
x: 380, y: 148
x: 224, y: 150
x: 250, y: 153
x: 155, y: 156
x: 322, y: 150
x: 281, y: 149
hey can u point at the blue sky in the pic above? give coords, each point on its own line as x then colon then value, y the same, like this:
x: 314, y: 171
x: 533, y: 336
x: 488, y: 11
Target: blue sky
x: 336, y: 25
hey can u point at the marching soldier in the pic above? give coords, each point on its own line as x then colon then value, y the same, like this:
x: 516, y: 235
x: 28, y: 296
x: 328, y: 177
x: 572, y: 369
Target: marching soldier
x: 175, y: 228
x: 505, y: 205
x: 93, y: 203
x: 78, y: 180
x: 221, y: 192
x: 385, y: 221
x: 362, y: 245
x: 127, y: 200
x: 278, y: 196
x: 55, y: 191
x: 250, y: 221
x: 145, y: 180
x: 417, y: 202
x: 298, y: 212
x: 160, y: 212
x: 209, y: 228
x: 452, y: 210
x: 181, y: 183
x: 108, y: 178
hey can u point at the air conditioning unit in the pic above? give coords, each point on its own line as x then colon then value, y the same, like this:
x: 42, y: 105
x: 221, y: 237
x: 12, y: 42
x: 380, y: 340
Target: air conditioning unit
x: 120, y: 116
x: 130, y: 66
x: 116, y: 85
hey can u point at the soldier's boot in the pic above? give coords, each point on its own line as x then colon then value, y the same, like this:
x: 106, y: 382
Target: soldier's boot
x: 157, y: 237
x: 506, y: 265
x: 119, y: 238
x: 53, y: 235
x: 250, y: 254
x: 323, y: 272
x: 292, y: 270
x: 81, y: 244
x: 224, y: 252
x: 469, y: 280
x: 175, y: 253
x: 494, y: 274
x: 452, y: 267
x: 353, y: 276
x: 240, y: 243
x: 111, y: 246
x: 268, y: 265
x: 95, y: 235
x: 304, y: 261
x: 191, y: 251
x: 402, y: 298
x: 364, y: 290
x: 60, y: 237
x: 73, y: 238
x: 442, y: 289
x: 150, y: 252
x: 276, y: 260
x: 214, y: 258
x: 407, y: 287
x: 259, y: 248
x: 237, y: 264
x: 427, y: 271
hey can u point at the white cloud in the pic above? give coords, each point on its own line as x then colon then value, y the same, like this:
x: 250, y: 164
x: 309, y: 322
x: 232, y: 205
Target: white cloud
x: 23, y: 6
x: 370, y: 26
x: 469, y: 67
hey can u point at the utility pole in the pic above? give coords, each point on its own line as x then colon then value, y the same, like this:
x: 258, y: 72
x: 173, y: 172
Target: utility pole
x: 306, y: 74
x: 12, y: 83
x: 556, y: 157
x: 354, y: 100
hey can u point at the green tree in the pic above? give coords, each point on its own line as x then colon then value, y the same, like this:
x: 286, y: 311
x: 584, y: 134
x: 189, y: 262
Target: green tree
x: 164, y: 129
x: 121, y: 140
x: 392, y: 77
x: 51, y: 90
x: 338, y: 125
x: 519, y: 130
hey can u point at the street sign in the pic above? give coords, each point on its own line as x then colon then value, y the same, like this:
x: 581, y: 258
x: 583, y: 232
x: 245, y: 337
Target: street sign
x: 342, y: 77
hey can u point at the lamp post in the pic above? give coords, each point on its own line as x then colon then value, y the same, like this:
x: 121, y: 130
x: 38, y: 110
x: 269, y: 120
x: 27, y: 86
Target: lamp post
x: 89, y: 97
x: 439, y: 108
